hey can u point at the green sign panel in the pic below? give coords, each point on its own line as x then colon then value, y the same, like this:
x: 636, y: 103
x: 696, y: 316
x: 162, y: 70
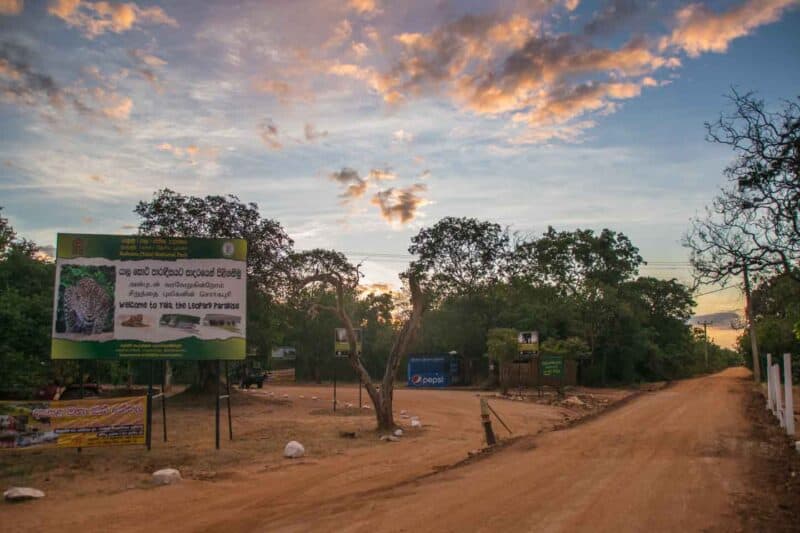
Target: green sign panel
x: 149, y: 298
x: 552, y: 366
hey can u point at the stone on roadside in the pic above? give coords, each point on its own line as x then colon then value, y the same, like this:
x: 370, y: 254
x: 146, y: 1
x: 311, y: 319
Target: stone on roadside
x: 314, y: 398
x: 166, y: 476
x: 415, y: 423
x: 294, y: 450
x: 19, y: 494
x: 365, y: 406
x: 574, y: 401
x: 403, y: 412
x: 398, y: 432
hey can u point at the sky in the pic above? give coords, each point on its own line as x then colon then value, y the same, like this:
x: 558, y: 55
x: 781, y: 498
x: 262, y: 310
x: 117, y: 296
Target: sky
x: 355, y: 123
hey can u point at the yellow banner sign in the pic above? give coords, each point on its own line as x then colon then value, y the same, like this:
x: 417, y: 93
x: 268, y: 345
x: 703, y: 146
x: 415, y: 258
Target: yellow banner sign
x: 73, y: 424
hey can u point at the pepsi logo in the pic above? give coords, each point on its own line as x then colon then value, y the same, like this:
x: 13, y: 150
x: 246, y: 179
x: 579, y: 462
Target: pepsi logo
x: 416, y: 379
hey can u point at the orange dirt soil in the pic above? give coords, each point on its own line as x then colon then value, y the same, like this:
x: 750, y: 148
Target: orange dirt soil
x: 673, y: 459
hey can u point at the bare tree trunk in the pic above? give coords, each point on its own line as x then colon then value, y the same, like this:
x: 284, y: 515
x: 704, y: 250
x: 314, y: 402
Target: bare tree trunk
x: 381, y: 399
x: 748, y: 311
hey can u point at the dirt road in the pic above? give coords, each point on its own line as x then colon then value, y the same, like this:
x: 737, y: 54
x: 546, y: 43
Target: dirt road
x: 675, y: 460
x: 672, y: 460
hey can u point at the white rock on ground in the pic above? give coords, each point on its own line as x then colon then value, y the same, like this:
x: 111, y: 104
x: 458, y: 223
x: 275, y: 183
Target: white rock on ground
x: 398, y: 432
x: 390, y: 438
x: 403, y: 412
x: 415, y: 423
x: 365, y: 406
x: 574, y: 400
x: 166, y: 476
x: 302, y: 397
x: 314, y: 398
x: 294, y: 450
x: 18, y: 494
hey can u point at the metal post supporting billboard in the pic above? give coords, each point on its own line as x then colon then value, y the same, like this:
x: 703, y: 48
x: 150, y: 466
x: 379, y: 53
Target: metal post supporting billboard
x: 164, y: 397
x: 149, y: 419
x: 228, y: 399
x: 216, y: 410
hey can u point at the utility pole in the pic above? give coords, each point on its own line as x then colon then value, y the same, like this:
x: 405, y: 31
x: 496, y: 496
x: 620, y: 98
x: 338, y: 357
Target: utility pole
x: 748, y: 310
x: 705, y: 324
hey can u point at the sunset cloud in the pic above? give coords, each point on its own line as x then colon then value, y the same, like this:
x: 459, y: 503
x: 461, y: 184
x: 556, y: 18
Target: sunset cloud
x: 268, y: 132
x: 354, y: 185
x: 381, y: 174
x: 11, y: 7
x: 97, y: 18
x: 698, y: 29
x: 400, y: 205
x: 363, y: 6
x: 311, y: 133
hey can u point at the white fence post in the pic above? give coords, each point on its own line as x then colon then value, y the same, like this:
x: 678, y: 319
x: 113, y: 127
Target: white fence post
x: 776, y: 380
x: 769, y: 381
x: 788, y: 410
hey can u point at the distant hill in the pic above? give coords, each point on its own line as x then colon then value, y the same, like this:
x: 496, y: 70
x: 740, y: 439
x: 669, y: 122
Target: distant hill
x: 720, y: 320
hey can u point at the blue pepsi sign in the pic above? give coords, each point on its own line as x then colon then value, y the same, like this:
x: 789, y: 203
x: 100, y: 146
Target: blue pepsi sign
x: 429, y: 372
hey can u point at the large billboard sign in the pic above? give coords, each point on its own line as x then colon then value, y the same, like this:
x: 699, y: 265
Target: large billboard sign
x: 73, y: 424
x: 149, y: 298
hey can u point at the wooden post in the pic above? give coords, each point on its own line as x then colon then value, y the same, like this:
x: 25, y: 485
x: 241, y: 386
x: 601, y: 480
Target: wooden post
x: 751, y: 327
x: 487, y: 423
x: 788, y: 409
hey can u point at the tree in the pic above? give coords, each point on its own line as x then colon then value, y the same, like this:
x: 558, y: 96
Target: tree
x: 763, y: 201
x: 573, y: 260
x: 463, y: 255
x: 752, y: 227
x: 327, y: 268
x: 171, y: 214
x: 26, y: 309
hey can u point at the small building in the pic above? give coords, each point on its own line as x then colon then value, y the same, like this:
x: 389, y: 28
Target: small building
x: 287, y: 353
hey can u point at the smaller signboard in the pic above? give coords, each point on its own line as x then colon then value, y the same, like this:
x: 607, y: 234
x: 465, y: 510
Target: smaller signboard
x: 528, y: 342
x: 552, y: 366
x: 341, y: 346
x: 73, y: 424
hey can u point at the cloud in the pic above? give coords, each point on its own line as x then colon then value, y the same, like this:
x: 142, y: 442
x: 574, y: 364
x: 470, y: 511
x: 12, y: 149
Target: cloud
x: 97, y: 18
x: 359, y: 49
x: 381, y: 174
x: 341, y: 33
x: 698, y: 29
x: 400, y: 205
x: 355, y: 185
x: 268, y: 132
x: 191, y: 153
x: 403, y: 136
x: 146, y: 65
x: 613, y: 16
x: 283, y: 91
x: 21, y: 83
x: 311, y: 134
x: 363, y: 7
x: 11, y: 7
